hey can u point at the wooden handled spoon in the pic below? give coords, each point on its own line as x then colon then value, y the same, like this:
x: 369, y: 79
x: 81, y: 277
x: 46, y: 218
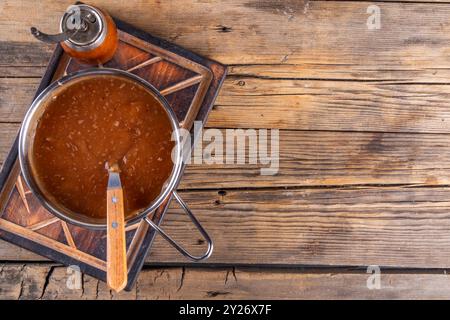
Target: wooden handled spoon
x: 116, y: 267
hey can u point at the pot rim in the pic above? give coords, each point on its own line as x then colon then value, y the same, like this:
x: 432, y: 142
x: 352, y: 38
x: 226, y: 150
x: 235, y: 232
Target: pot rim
x: 25, y: 141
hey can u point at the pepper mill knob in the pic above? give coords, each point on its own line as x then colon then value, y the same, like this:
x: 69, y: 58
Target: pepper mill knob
x: 87, y: 34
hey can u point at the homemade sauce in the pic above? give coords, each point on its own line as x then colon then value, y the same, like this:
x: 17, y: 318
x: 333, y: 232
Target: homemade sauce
x: 98, y: 120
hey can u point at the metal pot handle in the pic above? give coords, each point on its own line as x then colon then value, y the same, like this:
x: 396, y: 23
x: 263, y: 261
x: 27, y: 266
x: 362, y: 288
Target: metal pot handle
x: 196, y: 223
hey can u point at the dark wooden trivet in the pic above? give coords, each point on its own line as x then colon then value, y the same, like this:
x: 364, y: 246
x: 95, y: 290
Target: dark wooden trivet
x: 189, y: 82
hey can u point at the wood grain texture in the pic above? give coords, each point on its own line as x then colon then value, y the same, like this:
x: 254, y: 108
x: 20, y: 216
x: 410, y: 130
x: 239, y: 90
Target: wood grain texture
x: 16, y: 95
x: 44, y: 281
x: 116, y: 254
x: 335, y: 159
x: 8, y: 132
x: 299, y: 66
x: 247, y: 102
x: 396, y: 227
x: 332, y: 105
x: 312, y: 36
x: 323, y: 158
x: 401, y: 227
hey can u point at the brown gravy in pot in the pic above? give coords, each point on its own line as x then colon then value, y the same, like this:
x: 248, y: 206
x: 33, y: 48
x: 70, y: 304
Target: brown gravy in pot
x: 97, y: 120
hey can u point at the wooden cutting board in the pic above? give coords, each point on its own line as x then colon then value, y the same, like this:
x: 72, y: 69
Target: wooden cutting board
x: 189, y: 82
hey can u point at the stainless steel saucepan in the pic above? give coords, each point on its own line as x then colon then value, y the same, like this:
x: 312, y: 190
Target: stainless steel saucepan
x: 168, y: 190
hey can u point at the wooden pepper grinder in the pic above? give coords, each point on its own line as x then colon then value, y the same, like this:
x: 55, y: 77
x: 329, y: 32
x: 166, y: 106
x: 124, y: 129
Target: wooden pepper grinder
x: 87, y: 34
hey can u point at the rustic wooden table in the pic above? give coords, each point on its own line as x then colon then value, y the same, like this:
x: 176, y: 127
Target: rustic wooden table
x: 364, y: 119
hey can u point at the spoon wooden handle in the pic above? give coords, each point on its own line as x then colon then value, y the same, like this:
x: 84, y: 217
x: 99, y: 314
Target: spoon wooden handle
x: 116, y: 266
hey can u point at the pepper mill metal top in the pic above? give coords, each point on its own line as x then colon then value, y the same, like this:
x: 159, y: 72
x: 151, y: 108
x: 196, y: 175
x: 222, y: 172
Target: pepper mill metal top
x: 90, y: 25
x: 87, y: 33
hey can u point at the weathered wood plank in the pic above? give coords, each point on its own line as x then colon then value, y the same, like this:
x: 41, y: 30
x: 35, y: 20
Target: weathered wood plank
x: 397, y: 227
x: 332, y: 105
x: 9, y: 71
x: 336, y: 158
x: 323, y: 159
x: 299, y: 105
x: 16, y: 95
x: 10, y: 252
x: 8, y: 132
x: 31, y: 282
x: 341, y: 72
x: 324, y: 39
x: 15, y: 56
x: 291, y: 284
x: 403, y: 227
